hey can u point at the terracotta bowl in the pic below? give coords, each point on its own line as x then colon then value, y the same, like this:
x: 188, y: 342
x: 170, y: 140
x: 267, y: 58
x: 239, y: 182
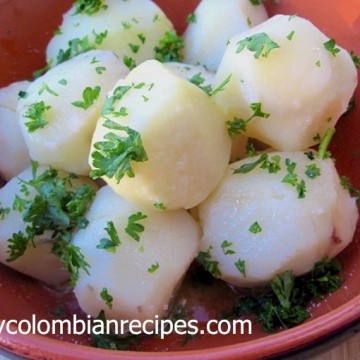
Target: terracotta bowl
x: 25, y: 28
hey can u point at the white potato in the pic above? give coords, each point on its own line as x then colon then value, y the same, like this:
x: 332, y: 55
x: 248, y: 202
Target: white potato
x: 37, y: 261
x: 182, y: 131
x: 69, y: 98
x: 131, y: 28
x: 14, y: 153
x: 215, y: 22
x: 260, y: 222
x: 141, y: 276
x: 302, y: 86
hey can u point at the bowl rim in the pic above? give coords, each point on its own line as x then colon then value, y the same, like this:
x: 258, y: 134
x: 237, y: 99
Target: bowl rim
x: 335, y: 322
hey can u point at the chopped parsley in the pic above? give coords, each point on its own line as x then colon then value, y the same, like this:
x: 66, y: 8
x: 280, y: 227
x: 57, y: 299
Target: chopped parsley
x: 113, y: 242
x: 355, y: 59
x: 133, y: 227
x: 55, y: 210
x: 36, y: 114
x: 169, y: 48
x: 198, y: 80
x: 75, y: 47
x: 346, y: 184
x: 291, y: 35
x: 3, y: 212
x: 292, y: 179
x: 225, y: 246
x: 285, y: 305
x: 204, y: 259
x: 255, y: 228
x: 191, y: 18
x: 260, y: 44
x: 221, y: 87
x: 264, y: 161
x: 240, y: 265
x: 89, y: 7
x: 239, y: 126
x: 89, y: 97
x: 45, y: 87
x: 330, y: 46
x: 160, y: 206
x: 103, y: 340
x: 153, y: 267
x: 312, y: 171
x: 113, y: 157
x: 129, y: 62
x: 107, y: 298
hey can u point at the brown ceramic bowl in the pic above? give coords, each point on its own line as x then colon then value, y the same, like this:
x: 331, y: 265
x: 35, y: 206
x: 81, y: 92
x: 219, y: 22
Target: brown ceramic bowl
x: 25, y: 28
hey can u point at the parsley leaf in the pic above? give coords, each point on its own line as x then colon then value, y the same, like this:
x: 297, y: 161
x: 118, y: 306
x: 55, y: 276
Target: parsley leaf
x: 153, y: 267
x: 56, y: 208
x: 260, y: 44
x: 238, y: 125
x: 133, y: 228
x: 36, y: 112
x: 3, y: 212
x: 324, y: 144
x: 89, y: 97
x: 255, y: 228
x: 285, y: 305
x: 346, y: 184
x: 212, y: 266
x: 113, y: 157
x: 169, y: 48
x: 101, y: 339
x: 107, y: 298
x: 240, y: 265
x: 225, y: 245
x: 111, y: 244
x: 312, y: 171
x: 89, y: 7
x: 330, y: 46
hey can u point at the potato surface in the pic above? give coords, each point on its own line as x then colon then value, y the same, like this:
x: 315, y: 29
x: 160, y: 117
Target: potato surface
x: 38, y: 261
x: 59, y: 113
x: 214, y: 23
x: 182, y: 132
x: 14, y: 153
x: 140, y: 275
x: 262, y: 222
x: 131, y: 29
x: 302, y: 80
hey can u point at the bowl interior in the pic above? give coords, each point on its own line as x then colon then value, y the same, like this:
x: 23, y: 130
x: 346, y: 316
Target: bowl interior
x: 25, y: 28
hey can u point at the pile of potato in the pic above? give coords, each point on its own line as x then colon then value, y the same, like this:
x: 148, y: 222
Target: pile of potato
x: 169, y: 137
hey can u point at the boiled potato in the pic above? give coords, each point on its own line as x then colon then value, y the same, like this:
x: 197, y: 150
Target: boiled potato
x: 141, y: 275
x: 131, y: 29
x: 301, y: 79
x: 14, y: 153
x: 38, y: 261
x: 59, y: 112
x: 264, y: 219
x: 214, y: 23
x: 182, y: 133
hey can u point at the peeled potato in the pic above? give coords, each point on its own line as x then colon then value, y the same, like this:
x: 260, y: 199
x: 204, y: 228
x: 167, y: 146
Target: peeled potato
x: 131, y: 29
x: 38, y: 261
x: 141, y: 275
x: 215, y: 22
x: 181, y: 129
x: 283, y: 64
x: 61, y: 97
x: 257, y: 225
x: 14, y: 153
